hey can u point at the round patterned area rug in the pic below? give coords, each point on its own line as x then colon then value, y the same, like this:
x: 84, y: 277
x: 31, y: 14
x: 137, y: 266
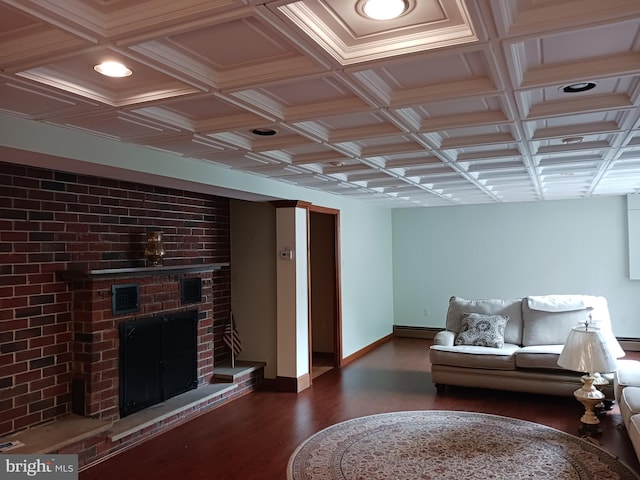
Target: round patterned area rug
x: 449, y: 445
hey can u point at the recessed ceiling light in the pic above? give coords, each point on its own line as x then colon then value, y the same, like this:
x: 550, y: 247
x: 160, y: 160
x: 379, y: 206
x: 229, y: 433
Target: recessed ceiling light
x: 578, y: 87
x: 570, y: 140
x: 113, y: 69
x: 264, y: 132
x: 383, y: 9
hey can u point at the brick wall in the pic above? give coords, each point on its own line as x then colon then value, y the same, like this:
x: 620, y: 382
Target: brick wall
x: 53, y: 221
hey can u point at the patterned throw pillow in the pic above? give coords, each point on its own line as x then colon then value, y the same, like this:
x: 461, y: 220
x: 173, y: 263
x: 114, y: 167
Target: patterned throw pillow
x: 482, y: 330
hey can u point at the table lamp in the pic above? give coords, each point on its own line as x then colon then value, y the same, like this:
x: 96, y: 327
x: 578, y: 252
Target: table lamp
x: 587, y: 350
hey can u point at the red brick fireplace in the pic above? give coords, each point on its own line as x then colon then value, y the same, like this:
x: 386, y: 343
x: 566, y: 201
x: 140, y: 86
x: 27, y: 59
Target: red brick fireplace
x: 95, y: 325
x: 65, y: 240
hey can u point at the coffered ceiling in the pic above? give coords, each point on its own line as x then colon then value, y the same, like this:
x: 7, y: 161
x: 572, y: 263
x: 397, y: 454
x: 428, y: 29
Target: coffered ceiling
x: 455, y: 102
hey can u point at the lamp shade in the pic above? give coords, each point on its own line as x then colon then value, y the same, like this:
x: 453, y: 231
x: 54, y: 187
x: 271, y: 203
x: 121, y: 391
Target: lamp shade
x: 601, y: 317
x: 612, y: 342
x: 586, y: 350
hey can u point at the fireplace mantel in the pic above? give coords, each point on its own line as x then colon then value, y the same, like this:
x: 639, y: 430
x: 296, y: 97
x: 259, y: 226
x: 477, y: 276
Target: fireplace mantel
x: 78, y: 274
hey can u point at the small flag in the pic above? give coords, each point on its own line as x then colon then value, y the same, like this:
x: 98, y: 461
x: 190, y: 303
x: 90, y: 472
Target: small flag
x: 231, y: 336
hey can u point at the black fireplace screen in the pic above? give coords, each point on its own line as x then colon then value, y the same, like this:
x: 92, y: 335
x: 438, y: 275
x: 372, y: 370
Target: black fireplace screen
x: 158, y: 359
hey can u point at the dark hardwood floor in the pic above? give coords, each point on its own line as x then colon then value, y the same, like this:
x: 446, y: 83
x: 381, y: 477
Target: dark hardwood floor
x: 253, y: 437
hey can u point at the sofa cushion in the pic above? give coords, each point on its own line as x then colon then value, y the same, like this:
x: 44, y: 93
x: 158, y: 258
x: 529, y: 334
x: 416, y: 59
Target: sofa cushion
x: 629, y: 404
x: 634, y: 433
x: 539, y: 356
x: 627, y: 375
x: 508, y: 308
x: 482, y: 330
x: 557, y: 303
x: 475, y: 357
x: 549, y: 328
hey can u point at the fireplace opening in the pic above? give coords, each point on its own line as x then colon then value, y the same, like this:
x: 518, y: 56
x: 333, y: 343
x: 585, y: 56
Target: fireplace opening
x: 158, y: 359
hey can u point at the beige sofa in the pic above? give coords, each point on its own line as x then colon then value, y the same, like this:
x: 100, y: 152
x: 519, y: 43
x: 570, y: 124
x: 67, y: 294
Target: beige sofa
x: 527, y: 360
x: 627, y: 393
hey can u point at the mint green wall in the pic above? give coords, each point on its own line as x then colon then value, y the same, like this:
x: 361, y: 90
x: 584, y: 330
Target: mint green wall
x: 513, y: 250
x: 367, y: 301
x: 367, y: 290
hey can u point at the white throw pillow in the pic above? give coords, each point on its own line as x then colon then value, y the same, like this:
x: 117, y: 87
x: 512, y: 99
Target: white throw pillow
x: 482, y: 330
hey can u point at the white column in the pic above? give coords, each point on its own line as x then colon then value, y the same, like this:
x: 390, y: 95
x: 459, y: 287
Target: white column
x: 292, y: 296
x: 633, y: 212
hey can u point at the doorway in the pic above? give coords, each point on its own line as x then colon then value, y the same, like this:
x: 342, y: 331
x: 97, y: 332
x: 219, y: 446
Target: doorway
x: 325, y: 329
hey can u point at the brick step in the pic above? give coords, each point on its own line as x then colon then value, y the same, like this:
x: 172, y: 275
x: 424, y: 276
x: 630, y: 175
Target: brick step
x: 160, y: 412
x: 224, y: 374
x: 56, y: 435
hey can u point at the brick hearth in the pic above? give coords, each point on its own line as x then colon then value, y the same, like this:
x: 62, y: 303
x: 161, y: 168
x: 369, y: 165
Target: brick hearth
x: 94, y: 440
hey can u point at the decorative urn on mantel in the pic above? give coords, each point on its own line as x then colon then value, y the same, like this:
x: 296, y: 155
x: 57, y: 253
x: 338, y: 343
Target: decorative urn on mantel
x: 154, y: 249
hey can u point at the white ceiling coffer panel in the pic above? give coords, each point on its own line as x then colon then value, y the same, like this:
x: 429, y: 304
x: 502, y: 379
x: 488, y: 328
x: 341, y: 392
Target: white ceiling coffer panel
x: 118, y: 125
x: 30, y: 100
x: 453, y: 102
x: 337, y: 27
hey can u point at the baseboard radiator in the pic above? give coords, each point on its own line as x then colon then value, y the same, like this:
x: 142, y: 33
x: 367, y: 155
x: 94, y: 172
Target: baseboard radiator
x: 415, y: 332
x: 628, y: 344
